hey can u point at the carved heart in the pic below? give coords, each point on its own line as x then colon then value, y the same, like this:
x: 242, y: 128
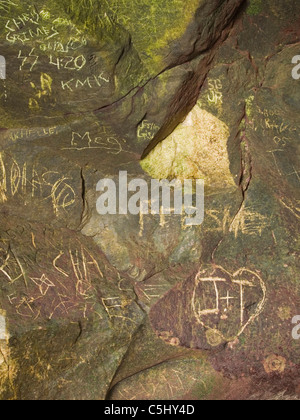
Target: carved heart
x: 225, y: 304
x: 212, y: 308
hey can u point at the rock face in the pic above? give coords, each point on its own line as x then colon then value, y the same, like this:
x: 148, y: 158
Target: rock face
x: 143, y: 306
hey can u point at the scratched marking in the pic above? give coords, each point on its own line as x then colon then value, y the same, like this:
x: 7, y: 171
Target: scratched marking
x: 41, y: 91
x: 47, y: 185
x: 147, y: 130
x: 106, y: 141
x: 170, y: 381
x: 48, y: 294
x: 65, y: 282
x: 221, y: 295
x: 249, y: 223
x: 215, y: 95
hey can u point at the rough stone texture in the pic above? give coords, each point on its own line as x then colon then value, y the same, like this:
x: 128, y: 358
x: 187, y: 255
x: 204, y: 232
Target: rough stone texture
x: 124, y: 307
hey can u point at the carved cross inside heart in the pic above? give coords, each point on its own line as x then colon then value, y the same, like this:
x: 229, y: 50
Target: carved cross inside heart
x: 225, y: 304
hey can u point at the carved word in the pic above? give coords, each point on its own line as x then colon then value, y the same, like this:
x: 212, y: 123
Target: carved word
x: 55, y: 294
x: 14, y: 26
x: 48, y: 185
x: 39, y: 32
x: 69, y: 62
x: 147, y: 130
x: 22, y: 20
x: 248, y: 222
x: 86, y: 142
x: 32, y: 133
x: 91, y: 82
x: 72, y: 45
x: 215, y: 95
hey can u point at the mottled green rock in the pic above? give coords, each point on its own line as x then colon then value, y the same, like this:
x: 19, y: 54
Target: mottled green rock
x: 106, y: 307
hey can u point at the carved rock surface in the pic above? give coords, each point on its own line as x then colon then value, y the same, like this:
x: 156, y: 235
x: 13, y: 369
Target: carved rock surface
x: 145, y: 307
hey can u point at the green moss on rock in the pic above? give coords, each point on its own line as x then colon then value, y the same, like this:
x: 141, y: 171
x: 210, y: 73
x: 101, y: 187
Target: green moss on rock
x: 153, y: 24
x: 255, y: 7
